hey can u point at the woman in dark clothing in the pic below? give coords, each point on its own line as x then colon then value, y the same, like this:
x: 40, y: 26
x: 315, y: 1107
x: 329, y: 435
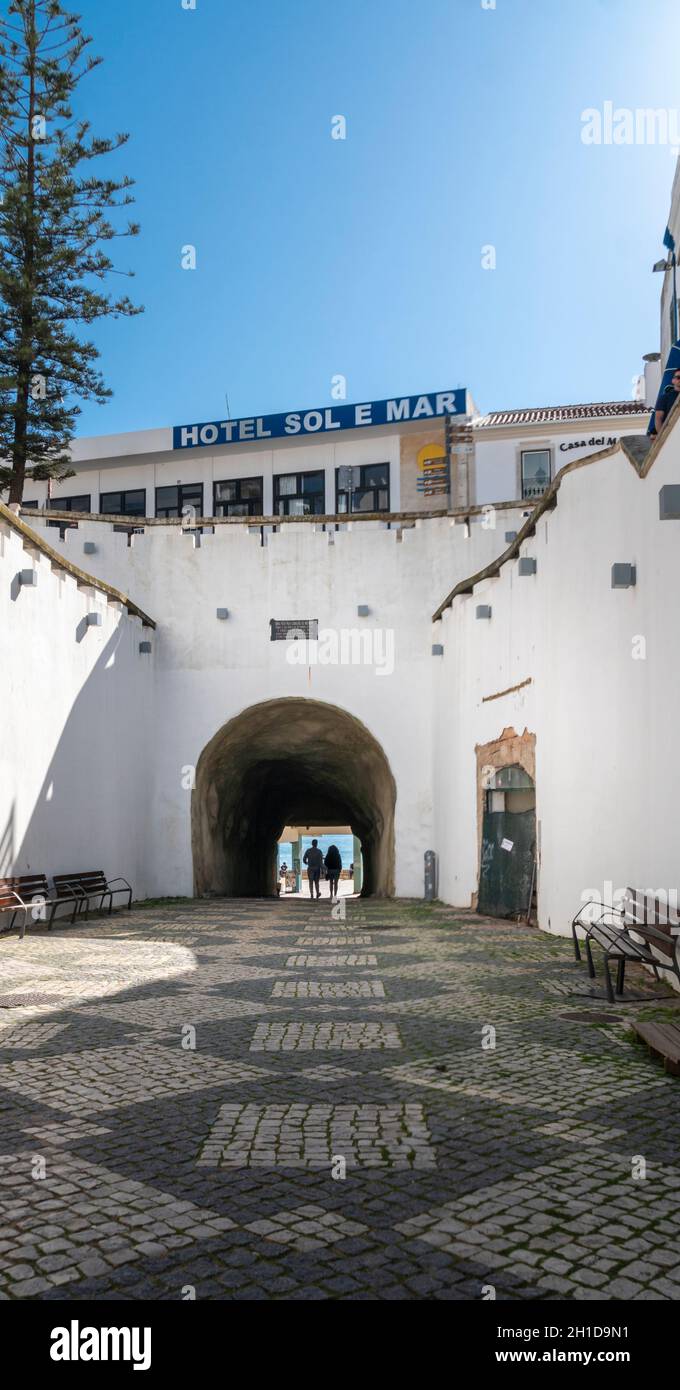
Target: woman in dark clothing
x: 333, y: 862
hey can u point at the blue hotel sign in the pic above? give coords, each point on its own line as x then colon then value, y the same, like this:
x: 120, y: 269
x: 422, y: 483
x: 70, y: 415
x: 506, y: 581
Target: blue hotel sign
x: 299, y: 423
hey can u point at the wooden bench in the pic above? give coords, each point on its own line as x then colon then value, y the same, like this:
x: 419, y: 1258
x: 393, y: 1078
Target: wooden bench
x: 91, y: 885
x: 26, y: 893
x: 642, y: 931
x: 663, y: 1039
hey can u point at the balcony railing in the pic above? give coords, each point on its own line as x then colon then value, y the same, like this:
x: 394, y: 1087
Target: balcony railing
x: 535, y: 489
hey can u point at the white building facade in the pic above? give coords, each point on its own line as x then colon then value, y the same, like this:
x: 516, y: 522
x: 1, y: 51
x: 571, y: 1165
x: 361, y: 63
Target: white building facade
x: 518, y: 453
x: 433, y: 453
x: 401, y: 616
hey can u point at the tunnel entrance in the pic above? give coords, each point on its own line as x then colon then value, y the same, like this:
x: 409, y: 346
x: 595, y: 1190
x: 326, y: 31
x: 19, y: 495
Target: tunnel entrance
x: 288, y: 762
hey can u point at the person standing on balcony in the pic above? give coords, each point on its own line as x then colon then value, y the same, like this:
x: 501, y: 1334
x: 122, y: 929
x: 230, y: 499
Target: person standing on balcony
x: 666, y: 402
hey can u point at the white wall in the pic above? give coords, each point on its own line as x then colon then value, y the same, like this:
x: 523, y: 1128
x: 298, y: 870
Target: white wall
x: 75, y: 712
x: 605, y: 723
x: 498, y: 452
x: 208, y: 671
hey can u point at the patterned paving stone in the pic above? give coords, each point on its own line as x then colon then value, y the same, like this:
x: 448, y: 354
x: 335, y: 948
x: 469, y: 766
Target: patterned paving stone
x: 354, y: 940
x: 547, y: 1164
x: 80, y: 1218
x: 320, y: 989
x: 327, y: 1071
x: 306, y: 1228
x: 313, y: 1136
x: 65, y: 1135
x: 180, y: 1010
x: 490, y: 1224
x: 26, y: 1037
x: 110, y: 1077
x: 86, y: 964
x: 323, y: 1037
x: 295, y: 962
x: 527, y: 1074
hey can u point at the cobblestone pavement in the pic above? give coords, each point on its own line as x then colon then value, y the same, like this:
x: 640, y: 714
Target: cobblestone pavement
x: 229, y: 1098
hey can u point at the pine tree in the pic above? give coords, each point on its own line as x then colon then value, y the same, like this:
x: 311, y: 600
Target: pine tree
x: 54, y: 231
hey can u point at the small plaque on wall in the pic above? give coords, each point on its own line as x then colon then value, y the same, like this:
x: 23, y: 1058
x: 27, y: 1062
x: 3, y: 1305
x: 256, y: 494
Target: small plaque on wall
x: 294, y: 629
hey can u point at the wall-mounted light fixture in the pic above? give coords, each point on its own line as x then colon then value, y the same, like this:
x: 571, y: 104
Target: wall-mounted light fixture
x: 510, y: 536
x: 223, y: 614
x: 437, y: 649
x: 90, y: 548
x: 483, y: 610
x: 363, y: 610
x: 145, y: 648
x: 94, y: 620
x: 669, y: 502
x: 28, y: 579
x: 527, y: 565
x: 624, y: 576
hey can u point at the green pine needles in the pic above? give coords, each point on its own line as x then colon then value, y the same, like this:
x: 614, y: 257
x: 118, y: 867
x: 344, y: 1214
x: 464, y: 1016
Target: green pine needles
x: 55, y: 237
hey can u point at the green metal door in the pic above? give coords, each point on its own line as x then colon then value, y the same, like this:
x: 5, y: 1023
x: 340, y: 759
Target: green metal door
x: 507, y: 865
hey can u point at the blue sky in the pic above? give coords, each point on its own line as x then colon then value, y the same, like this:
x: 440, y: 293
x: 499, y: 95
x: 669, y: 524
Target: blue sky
x: 363, y: 257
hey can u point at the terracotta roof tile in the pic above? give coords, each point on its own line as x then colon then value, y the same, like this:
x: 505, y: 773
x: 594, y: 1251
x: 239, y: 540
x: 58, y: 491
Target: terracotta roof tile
x: 561, y: 414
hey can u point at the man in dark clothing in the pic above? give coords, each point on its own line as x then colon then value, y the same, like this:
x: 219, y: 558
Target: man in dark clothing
x: 333, y: 862
x: 666, y: 402
x: 313, y: 858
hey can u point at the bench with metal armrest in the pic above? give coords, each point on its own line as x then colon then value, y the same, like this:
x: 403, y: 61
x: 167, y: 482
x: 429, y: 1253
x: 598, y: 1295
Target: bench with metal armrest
x: 640, y: 932
x: 26, y: 893
x: 89, y: 886
x: 592, y: 914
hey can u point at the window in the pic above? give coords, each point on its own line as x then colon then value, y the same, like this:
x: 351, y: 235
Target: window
x: 29, y: 504
x: 129, y: 503
x: 68, y: 504
x: 510, y: 789
x: 174, y: 501
x: 300, y: 494
x: 239, y: 497
x: 535, y: 472
x: 370, y: 489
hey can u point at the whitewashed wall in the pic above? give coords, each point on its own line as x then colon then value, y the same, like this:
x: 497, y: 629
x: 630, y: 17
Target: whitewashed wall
x: 208, y: 671
x: 498, y: 451
x: 607, y: 759
x: 75, y: 713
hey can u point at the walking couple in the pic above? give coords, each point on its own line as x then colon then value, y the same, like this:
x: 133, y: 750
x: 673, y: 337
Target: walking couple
x: 315, y: 861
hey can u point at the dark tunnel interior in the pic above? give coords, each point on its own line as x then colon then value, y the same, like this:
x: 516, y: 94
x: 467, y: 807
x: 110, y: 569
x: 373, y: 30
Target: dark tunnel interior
x: 288, y: 762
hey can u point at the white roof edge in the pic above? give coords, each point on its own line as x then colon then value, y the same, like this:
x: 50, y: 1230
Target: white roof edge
x: 129, y: 443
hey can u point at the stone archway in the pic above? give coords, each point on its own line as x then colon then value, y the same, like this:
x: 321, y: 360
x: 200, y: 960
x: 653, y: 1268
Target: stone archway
x: 282, y: 762
x: 518, y: 868
x: 509, y: 749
